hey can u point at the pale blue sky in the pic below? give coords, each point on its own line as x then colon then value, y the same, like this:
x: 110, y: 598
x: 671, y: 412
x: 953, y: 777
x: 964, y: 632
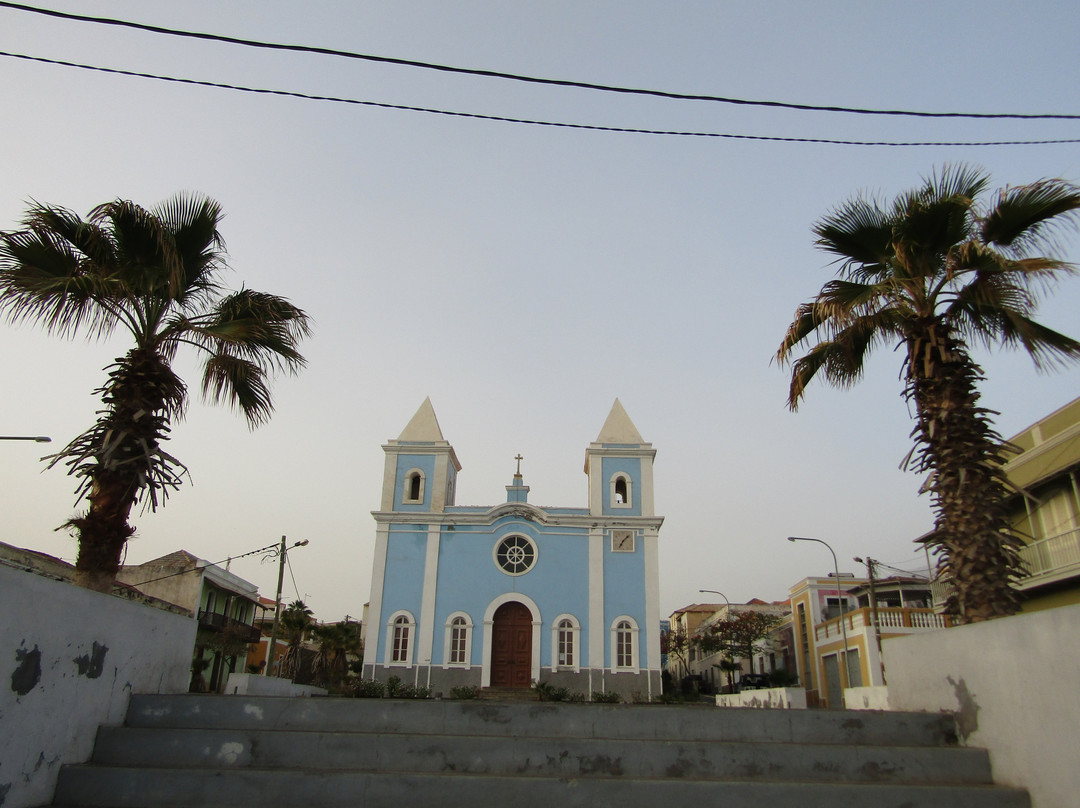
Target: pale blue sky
x: 522, y: 276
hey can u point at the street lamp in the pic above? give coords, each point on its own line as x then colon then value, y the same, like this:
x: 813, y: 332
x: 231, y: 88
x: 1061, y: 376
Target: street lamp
x: 36, y: 438
x: 844, y: 677
x: 727, y: 616
x: 282, y: 553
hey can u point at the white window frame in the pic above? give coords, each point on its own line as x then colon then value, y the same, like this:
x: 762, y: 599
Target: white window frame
x: 635, y: 648
x: 406, y: 489
x: 410, y: 639
x: 628, y: 501
x: 575, y: 641
x: 448, y: 641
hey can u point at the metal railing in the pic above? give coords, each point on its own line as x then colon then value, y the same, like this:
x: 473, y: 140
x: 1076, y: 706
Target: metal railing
x: 1050, y: 556
x: 244, y: 632
x: 902, y: 621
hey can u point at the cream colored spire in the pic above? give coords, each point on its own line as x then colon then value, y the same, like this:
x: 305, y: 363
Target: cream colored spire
x: 424, y: 426
x: 618, y: 428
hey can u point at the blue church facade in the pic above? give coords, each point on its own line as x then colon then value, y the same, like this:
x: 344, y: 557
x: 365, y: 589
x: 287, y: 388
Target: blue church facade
x: 512, y: 594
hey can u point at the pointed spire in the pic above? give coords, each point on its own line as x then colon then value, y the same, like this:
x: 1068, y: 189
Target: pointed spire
x: 424, y: 426
x: 618, y: 428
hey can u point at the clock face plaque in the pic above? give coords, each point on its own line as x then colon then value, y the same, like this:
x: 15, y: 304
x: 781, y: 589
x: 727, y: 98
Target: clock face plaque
x: 622, y: 541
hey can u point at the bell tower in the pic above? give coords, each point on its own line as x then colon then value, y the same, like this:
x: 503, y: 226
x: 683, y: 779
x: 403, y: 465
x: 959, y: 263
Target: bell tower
x: 619, y: 464
x: 420, y: 473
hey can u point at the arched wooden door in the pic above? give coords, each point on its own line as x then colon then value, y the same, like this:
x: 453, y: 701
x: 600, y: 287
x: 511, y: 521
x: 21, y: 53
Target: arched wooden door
x: 511, y: 646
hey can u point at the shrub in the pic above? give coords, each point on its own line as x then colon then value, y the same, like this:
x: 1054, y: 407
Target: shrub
x: 367, y: 689
x: 467, y: 692
x: 606, y: 698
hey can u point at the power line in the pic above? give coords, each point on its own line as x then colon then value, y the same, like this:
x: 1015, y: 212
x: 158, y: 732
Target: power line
x: 251, y: 43
x: 525, y: 121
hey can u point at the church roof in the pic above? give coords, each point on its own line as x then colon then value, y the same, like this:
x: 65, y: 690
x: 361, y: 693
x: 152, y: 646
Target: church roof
x: 618, y: 428
x: 424, y: 426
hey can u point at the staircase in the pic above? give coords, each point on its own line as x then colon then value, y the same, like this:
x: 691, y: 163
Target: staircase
x: 197, y: 751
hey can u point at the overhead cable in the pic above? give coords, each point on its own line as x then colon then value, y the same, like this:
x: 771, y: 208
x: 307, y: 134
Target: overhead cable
x: 251, y: 43
x: 525, y: 121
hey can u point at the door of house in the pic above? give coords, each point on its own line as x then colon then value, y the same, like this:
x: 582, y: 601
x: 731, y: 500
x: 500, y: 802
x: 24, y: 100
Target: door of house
x: 511, y: 646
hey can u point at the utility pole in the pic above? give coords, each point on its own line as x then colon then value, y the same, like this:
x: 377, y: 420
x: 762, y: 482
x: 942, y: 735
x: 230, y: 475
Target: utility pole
x: 282, y: 554
x: 874, y: 610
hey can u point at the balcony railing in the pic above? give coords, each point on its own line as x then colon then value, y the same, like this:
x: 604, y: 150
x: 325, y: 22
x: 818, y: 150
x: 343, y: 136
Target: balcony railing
x: 890, y: 619
x: 1051, y: 557
x: 220, y: 622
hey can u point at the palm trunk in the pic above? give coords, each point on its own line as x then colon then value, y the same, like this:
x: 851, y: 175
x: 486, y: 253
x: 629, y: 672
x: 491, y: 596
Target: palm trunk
x: 118, y: 457
x: 957, y: 444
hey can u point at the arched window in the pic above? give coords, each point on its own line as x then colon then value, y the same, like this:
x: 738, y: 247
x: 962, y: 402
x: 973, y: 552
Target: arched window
x: 399, y: 636
x: 622, y: 491
x: 624, y: 644
x: 566, y: 643
x: 414, y: 486
x: 458, y: 640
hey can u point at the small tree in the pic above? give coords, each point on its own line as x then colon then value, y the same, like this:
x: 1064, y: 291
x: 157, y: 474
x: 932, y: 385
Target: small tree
x: 738, y: 636
x: 679, y: 644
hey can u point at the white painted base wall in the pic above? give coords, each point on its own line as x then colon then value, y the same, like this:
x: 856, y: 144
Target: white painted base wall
x: 71, y: 660
x: 255, y: 684
x: 775, y: 698
x: 1014, y: 684
x: 866, y: 698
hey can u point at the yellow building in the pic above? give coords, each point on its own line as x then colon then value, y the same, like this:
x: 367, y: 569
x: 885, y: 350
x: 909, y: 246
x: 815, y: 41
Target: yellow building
x: 823, y: 637
x: 1044, y: 468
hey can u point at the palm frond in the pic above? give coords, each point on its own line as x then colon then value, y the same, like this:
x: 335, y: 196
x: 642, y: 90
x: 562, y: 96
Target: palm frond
x: 1027, y: 216
x: 240, y: 383
x: 193, y: 221
x: 858, y: 233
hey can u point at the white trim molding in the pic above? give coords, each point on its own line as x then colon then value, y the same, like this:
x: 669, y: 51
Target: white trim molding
x: 410, y: 639
x: 575, y: 644
x: 448, y: 640
x: 489, y: 621
x: 635, y: 644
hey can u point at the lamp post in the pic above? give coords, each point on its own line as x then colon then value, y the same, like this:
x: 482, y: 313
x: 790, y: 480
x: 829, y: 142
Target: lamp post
x: 727, y: 616
x: 844, y: 678
x: 282, y: 553
x: 35, y: 438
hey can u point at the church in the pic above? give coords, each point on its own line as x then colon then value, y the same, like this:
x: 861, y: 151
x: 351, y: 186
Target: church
x: 508, y: 595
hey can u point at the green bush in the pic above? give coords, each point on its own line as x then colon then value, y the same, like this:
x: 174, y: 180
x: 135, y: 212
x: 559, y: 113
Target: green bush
x: 368, y: 689
x: 606, y: 698
x: 467, y: 692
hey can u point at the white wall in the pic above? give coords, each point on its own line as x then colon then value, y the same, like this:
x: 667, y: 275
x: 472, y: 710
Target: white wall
x: 1014, y: 684
x: 69, y: 661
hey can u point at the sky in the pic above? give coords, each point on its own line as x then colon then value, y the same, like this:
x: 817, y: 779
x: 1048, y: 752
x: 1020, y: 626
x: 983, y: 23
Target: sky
x: 524, y: 276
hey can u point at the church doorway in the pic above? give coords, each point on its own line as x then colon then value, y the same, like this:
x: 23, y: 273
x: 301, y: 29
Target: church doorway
x: 511, y: 646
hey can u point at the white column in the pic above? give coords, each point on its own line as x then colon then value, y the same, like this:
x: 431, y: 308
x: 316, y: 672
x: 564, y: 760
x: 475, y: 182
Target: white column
x: 426, y: 629
x: 597, y: 629
x: 374, y: 628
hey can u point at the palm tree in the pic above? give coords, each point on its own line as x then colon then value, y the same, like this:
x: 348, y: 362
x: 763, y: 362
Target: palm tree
x: 295, y: 623
x: 154, y: 273
x: 337, y: 641
x: 934, y: 272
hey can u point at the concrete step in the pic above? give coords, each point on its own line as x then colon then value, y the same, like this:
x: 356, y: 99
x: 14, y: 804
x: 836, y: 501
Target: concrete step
x: 543, y: 719
x: 107, y: 787
x: 199, y: 751
x: 533, y: 756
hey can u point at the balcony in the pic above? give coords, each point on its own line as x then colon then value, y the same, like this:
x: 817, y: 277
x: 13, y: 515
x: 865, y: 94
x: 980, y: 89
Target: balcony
x: 219, y: 622
x: 890, y: 619
x: 1052, y: 559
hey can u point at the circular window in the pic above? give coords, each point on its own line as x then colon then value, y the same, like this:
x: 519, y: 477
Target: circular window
x: 515, y: 555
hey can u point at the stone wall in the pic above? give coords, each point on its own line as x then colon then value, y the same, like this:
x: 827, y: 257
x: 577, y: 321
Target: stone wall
x: 71, y: 659
x: 1014, y: 684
